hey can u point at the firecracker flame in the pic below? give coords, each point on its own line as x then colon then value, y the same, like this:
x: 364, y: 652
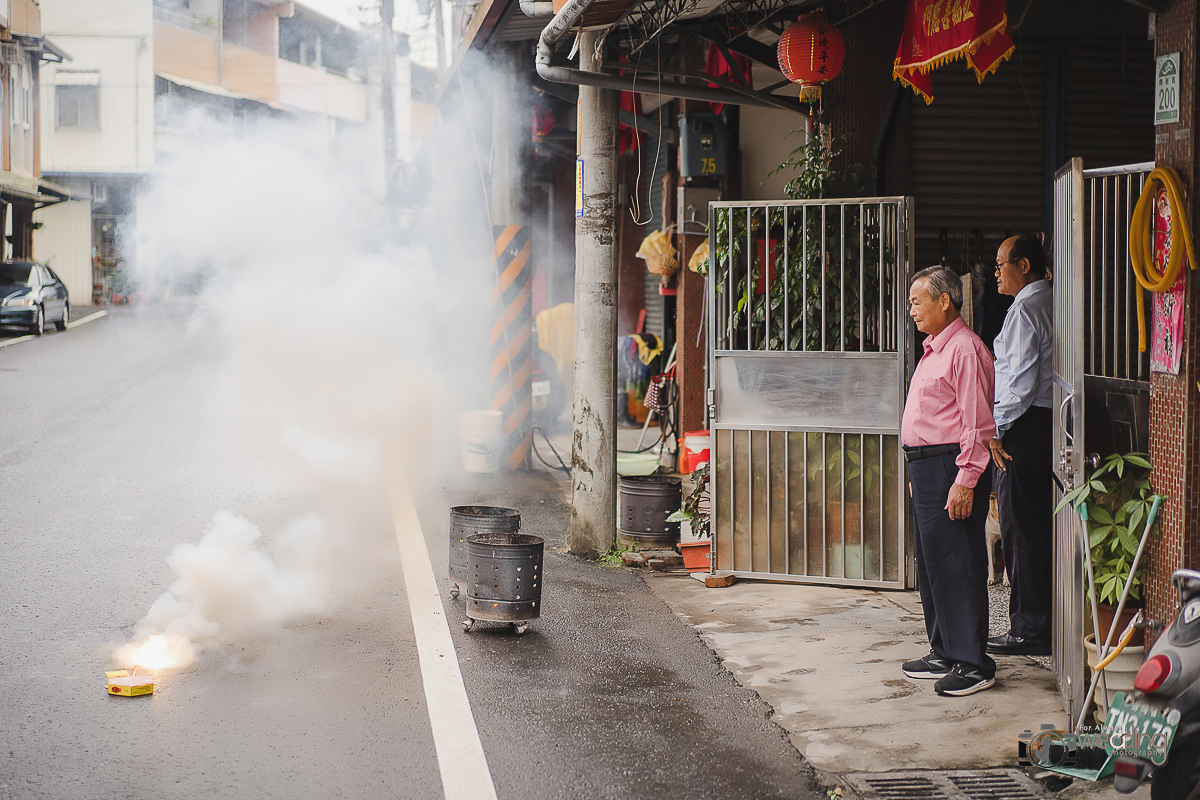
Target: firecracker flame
x: 160, y: 651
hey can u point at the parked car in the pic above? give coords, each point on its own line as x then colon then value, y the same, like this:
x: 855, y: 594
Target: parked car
x: 30, y: 295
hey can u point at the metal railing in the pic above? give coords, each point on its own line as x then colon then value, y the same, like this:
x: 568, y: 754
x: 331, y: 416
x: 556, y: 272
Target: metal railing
x: 822, y: 277
x: 1110, y: 290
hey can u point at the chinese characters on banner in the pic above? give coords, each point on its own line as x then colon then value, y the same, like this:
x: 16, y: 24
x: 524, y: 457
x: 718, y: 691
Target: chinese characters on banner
x: 1167, y: 322
x: 937, y: 32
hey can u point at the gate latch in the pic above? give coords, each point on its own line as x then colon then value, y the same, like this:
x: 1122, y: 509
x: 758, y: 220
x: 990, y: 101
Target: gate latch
x: 1066, y: 466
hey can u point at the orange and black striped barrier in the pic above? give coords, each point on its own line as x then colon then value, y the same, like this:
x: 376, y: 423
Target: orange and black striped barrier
x: 512, y: 358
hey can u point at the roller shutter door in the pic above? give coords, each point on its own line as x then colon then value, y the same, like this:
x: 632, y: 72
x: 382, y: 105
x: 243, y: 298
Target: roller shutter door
x: 978, y: 156
x: 1110, y: 101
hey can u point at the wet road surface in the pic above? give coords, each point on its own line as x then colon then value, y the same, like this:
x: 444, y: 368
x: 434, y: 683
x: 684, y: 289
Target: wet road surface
x: 108, y: 461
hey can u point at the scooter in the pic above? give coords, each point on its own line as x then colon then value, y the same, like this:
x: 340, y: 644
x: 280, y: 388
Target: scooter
x: 1156, y: 729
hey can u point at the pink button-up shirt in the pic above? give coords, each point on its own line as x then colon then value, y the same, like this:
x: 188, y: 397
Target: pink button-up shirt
x: 950, y: 399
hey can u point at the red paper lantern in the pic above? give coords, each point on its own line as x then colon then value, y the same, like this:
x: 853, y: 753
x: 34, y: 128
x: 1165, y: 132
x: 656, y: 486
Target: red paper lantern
x: 543, y: 122
x: 810, y: 53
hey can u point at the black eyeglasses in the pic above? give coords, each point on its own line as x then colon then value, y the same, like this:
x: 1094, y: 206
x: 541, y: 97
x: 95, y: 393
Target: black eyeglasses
x: 1000, y: 264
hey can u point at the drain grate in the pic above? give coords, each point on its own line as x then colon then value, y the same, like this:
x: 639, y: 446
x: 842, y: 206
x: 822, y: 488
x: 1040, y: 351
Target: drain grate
x: 989, y: 784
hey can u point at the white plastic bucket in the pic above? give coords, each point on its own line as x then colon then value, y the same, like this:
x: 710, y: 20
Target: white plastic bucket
x: 481, y: 434
x: 698, y: 445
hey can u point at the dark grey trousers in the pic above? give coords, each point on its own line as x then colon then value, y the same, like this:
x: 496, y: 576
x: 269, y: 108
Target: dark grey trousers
x: 1025, y: 498
x: 951, y: 563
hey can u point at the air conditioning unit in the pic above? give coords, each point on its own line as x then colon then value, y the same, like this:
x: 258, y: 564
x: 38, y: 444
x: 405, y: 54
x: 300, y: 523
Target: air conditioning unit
x: 99, y: 193
x: 11, y: 53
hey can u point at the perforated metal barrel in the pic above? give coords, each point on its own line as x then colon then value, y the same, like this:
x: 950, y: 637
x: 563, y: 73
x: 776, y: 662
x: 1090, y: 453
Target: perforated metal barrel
x: 646, y: 502
x: 504, y: 576
x: 468, y: 520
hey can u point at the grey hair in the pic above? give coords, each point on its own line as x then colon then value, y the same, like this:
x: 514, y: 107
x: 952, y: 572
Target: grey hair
x: 942, y: 280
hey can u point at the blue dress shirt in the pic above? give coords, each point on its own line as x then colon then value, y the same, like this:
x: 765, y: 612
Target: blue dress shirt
x: 1024, y: 355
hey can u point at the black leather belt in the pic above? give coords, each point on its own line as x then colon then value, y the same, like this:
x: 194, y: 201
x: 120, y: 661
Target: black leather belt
x: 929, y: 451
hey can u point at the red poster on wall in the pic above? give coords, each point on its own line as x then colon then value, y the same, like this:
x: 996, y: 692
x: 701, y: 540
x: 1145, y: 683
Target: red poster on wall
x: 937, y: 32
x: 1167, y: 321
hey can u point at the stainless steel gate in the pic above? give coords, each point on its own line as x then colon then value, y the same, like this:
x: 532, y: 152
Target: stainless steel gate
x: 1069, y: 550
x: 808, y: 353
x: 1094, y: 294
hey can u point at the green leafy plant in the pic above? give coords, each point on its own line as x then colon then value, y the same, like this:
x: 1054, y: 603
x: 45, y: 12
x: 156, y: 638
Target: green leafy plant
x: 799, y: 276
x: 696, y: 506
x: 864, y: 465
x: 613, y: 556
x: 819, y: 175
x: 1117, y: 497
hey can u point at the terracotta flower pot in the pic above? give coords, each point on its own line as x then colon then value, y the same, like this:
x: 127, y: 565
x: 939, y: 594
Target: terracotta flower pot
x: 696, y: 555
x: 1127, y: 614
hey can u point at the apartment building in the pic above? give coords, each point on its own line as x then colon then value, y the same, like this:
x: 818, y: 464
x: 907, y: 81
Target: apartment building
x: 154, y: 78
x: 23, y: 48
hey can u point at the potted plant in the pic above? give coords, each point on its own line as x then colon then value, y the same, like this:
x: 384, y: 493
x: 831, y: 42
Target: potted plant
x: 1117, y: 497
x: 696, y: 511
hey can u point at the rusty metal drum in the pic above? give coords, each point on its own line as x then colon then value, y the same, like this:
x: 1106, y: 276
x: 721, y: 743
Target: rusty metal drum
x: 504, y: 578
x: 468, y: 520
x: 646, y: 502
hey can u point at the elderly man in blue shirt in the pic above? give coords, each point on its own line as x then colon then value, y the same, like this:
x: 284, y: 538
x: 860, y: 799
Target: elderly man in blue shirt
x: 1021, y: 450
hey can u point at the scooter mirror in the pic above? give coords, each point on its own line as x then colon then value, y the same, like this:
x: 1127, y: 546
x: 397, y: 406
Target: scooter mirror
x: 1187, y: 582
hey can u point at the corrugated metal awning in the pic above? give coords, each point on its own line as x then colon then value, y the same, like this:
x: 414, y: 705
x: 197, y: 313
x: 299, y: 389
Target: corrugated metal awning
x: 37, y: 190
x: 216, y: 91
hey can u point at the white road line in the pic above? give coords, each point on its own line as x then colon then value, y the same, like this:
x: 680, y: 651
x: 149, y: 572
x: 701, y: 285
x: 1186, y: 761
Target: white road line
x: 83, y: 321
x: 464, y: 768
x: 89, y: 318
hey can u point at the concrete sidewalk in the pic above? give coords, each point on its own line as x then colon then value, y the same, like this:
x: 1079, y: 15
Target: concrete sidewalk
x: 827, y: 660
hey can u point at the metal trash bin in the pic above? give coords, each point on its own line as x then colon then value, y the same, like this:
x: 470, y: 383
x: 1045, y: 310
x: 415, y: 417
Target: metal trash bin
x: 504, y: 578
x: 646, y: 502
x: 468, y: 520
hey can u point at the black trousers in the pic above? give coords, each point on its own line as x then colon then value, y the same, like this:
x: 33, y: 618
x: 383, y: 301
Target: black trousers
x: 1025, y: 500
x: 951, y: 563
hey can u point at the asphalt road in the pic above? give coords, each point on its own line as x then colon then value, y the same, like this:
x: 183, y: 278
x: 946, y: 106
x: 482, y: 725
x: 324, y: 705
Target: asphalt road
x: 111, y: 456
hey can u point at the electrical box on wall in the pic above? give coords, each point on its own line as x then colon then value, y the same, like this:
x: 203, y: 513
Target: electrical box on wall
x: 703, y: 143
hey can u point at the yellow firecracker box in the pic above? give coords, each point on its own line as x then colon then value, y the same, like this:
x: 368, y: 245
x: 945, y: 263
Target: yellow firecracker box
x: 122, y: 683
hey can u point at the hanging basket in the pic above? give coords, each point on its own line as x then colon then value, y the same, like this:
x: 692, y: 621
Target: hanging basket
x: 661, y: 264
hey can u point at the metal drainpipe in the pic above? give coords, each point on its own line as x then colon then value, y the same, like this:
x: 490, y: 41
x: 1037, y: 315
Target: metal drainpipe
x: 594, y: 417
x: 537, y: 8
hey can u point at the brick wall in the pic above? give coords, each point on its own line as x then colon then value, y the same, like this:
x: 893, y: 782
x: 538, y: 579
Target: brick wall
x: 858, y: 97
x: 1174, y: 402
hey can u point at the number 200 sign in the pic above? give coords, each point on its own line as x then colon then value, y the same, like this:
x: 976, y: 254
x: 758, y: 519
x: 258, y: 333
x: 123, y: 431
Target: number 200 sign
x: 1166, y: 89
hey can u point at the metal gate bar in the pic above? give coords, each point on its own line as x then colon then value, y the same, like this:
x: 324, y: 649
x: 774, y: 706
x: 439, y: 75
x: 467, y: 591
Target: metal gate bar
x: 808, y: 482
x: 1111, y: 194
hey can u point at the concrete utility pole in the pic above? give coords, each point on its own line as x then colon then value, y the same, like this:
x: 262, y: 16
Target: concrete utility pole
x: 594, y: 449
x: 510, y: 134
x: 387, y: 100
x: 440, y: 27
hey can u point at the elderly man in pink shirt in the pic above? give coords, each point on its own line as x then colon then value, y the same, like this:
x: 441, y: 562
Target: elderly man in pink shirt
x: 946, y: 430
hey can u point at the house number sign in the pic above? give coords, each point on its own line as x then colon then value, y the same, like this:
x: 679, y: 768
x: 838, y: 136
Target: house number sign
x: 1166, y: 89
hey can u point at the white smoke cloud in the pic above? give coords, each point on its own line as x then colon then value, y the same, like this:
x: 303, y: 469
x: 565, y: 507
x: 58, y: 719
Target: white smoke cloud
x: 338, y: 341
x: 225, y: 585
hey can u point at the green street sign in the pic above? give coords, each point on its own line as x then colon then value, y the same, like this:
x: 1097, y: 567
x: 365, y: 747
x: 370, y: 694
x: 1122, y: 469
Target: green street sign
x: 1166, y: 89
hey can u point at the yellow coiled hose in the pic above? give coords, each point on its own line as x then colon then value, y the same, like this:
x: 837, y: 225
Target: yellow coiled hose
x: 1141, y: 241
